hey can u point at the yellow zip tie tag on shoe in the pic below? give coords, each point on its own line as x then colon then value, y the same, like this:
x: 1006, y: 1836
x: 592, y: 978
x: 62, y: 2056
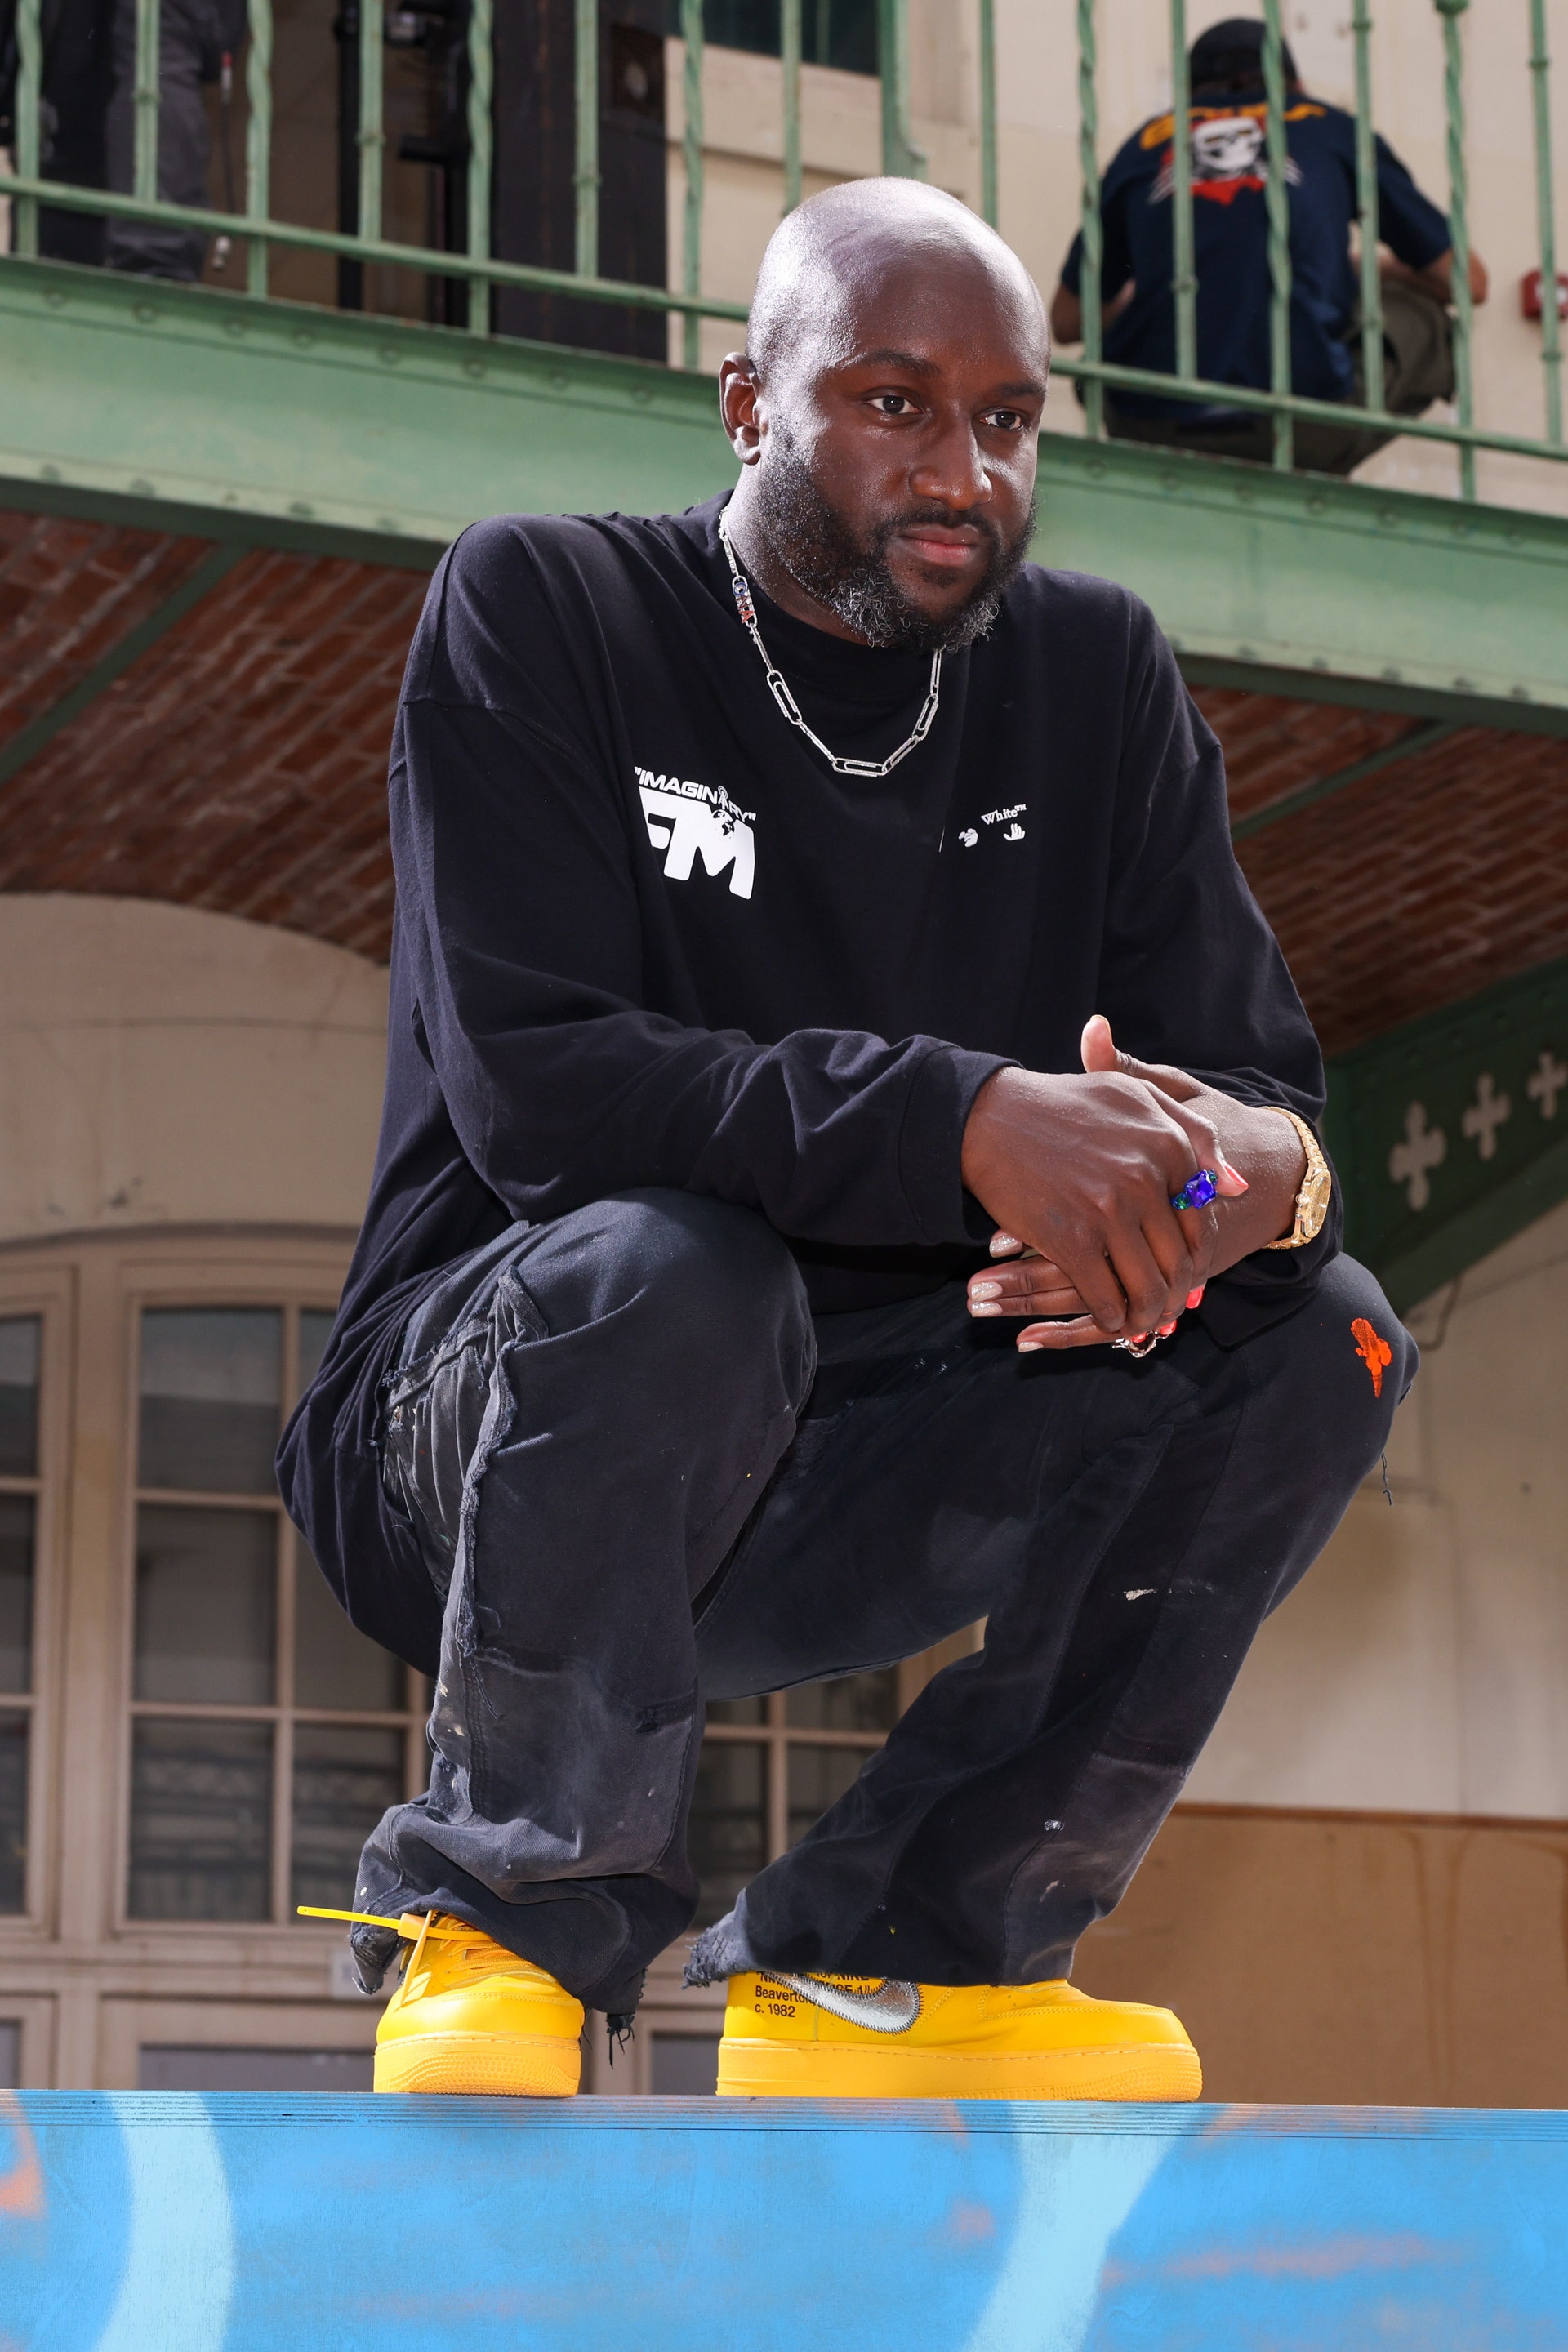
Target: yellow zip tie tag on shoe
x: 410, y: 1927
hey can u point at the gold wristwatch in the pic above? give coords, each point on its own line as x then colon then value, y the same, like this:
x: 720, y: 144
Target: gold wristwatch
x: 1317, y: 1188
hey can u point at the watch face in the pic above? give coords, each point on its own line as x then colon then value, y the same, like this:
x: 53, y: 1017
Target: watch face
x: 1313, y: 1204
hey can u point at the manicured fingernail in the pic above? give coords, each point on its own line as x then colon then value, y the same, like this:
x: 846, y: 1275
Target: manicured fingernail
x: 1166, y: 1329
x: 1195, y: 1297
x: 986, y: 1290
x: 1137, y: 1337
x: 1028, y: 1347
x: 1001, y: 1242
x: 983, y: 1307
x: 1235, y: 1175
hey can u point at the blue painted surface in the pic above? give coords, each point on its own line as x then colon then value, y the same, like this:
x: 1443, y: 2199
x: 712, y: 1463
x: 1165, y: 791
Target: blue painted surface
x: 131, y: 2220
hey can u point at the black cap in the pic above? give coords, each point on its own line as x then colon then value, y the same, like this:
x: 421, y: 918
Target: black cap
x: 1230, y: 56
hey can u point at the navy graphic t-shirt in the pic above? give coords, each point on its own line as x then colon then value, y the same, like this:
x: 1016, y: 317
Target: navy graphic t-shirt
x: 645, y: 936
x: 1230, y: 246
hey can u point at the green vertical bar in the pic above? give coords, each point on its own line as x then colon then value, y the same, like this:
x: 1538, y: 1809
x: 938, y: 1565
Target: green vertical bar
x: 1373, y: 392
x: 1277, y: 198
x: 481, y: 90
x: 989, y: 198
x: 1183, y: 276
x: 1089, y: 214
x: 586, y: 177
x: 28, y: 100
x: 902, y: 159
x: 691, y: 152
x: 1550, y: 325
x: 258, y: 141
x: 789, y: 58
x: 1459, y: 230
x: 372, y: 136
x: 144, y: 149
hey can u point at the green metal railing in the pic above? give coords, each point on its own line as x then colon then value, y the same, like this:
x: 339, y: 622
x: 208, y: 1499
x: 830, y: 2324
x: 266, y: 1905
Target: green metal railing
x: 482, y: 272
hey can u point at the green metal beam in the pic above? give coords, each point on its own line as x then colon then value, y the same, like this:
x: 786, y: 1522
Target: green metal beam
x: 296, y: 425
x: 1451, y: 1135
x: 1519, y: 717
x: 1419, y: 739
x: 30, y: 741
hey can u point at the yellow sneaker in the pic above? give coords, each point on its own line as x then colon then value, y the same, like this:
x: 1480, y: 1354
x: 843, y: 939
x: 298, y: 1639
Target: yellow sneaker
x: 875, y: 2038
x: 470, y: 2016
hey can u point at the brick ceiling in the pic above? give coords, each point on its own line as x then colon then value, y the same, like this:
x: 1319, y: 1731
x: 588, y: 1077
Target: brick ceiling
x: 239, y: 765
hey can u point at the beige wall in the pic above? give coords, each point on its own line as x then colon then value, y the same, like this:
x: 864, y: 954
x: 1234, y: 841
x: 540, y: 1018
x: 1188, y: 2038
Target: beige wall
x: 1422, y: 1666
x: 158, y: 1067
x: 1037, y: 108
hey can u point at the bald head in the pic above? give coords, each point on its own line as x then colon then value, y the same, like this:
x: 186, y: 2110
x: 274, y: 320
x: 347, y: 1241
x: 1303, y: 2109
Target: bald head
x: 885, y: 415
x: 896, y: 243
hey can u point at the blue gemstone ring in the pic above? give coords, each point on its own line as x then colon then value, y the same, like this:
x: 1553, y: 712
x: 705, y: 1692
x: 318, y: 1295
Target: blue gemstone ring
x: 1200, y: 1189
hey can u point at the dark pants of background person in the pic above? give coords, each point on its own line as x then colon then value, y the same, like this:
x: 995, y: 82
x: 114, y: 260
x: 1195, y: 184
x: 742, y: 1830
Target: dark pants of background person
x: 641, y: 1474
x: 1417, y: 369
x: 187, y: 34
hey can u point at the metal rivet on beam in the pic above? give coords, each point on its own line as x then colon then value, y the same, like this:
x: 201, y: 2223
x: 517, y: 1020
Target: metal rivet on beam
x: 641, y: 394
x: 388, y: 357
x: 54, y: 299
x: 1388, y: 516
x: 303, y: 338
x: 144, y: 488
x: 50, y: 474
x: 234, y: 327
x: 1097, y: 470
x: 1317, y: 506
x: 475, y: 368
x: 305, y: 511
x: 558, y: 380
x: 144, y: 312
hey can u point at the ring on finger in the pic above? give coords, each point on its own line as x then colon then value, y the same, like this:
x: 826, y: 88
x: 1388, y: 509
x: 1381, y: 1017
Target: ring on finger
x: 1201, y: 1187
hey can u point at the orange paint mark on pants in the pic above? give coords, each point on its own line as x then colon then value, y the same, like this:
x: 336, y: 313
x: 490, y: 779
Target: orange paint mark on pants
x: 1374, y: 1351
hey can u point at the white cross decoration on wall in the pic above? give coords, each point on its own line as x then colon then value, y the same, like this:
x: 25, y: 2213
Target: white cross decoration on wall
x: 1424, y: 1148
x: 1486, y: 1115
x: 1551, y: 1078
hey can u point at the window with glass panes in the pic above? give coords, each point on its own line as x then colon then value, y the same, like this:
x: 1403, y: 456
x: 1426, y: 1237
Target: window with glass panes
x: 19, y: 1343
x: 770, y: 1766
x: 266, y: 1736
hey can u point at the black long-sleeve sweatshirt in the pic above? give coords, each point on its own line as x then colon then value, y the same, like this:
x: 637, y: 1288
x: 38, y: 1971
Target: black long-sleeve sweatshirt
x: 645, y: 936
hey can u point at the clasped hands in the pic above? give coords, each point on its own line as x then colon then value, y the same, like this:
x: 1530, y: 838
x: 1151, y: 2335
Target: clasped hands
x: 1078, y: 1173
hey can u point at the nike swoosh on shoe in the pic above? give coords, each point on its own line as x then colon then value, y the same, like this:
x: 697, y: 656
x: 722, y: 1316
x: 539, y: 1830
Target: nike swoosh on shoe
x: 893, y: 2008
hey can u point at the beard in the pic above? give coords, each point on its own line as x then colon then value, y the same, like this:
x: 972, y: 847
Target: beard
x: 821, y: 554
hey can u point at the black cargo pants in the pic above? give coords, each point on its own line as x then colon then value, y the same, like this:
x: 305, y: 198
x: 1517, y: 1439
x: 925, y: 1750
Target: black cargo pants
x: 642, y: 1475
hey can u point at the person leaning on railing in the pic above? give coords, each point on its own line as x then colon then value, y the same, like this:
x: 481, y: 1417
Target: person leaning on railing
x: 1230, y: 241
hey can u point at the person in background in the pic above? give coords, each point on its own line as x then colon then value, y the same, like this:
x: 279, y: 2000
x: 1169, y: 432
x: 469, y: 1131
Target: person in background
x: 1228, y: 139
x: 196, y: 36
x: 75, y: 86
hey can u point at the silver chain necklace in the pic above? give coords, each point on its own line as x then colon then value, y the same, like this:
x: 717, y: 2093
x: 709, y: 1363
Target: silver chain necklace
x: 741, y: 588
